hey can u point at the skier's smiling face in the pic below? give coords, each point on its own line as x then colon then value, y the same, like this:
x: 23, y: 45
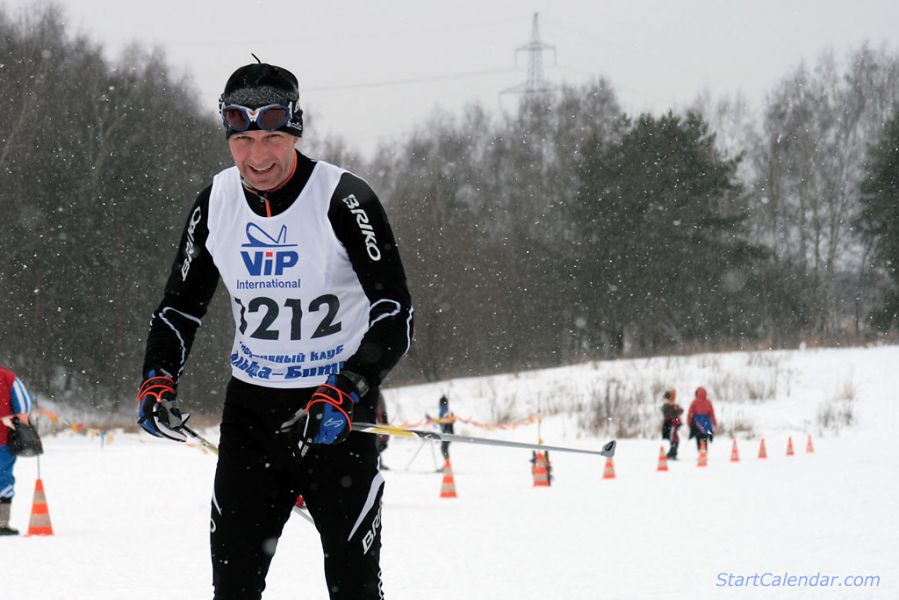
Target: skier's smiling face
x: 265, y: 159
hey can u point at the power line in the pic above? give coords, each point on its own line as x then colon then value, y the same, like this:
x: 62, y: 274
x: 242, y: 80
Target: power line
x: 633, y: 50
x: 408, y: 81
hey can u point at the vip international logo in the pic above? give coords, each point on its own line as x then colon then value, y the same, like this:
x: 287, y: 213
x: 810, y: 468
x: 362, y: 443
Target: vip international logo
x: 265, y: 255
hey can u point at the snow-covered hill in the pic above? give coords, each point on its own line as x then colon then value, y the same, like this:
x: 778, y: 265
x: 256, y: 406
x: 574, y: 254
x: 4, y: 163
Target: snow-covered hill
x: 755, y: 393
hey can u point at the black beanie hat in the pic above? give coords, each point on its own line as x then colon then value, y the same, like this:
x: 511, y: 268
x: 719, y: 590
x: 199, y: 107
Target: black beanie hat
x: 259, y: 84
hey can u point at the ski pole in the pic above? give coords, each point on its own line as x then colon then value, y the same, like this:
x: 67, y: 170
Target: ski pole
x: 608, y: 450
x: 203, y: 441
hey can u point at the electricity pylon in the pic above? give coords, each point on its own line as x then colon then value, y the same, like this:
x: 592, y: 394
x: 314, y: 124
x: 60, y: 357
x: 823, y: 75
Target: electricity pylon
x: 535, y: 84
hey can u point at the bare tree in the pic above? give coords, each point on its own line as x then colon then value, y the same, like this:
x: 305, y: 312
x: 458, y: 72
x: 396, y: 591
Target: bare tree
x: 807, y: 166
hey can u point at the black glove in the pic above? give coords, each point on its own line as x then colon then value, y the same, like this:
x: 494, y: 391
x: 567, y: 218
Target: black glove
x: 328, y: 417
x: 157, y: 408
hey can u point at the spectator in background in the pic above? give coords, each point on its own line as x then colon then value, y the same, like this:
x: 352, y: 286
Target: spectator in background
x: 445, y: 418
x: 14, y: 402
x: 671, y: 422
x: 701, y: 418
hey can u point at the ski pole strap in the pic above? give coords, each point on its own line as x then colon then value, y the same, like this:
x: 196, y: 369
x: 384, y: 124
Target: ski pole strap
x: 608, y: 450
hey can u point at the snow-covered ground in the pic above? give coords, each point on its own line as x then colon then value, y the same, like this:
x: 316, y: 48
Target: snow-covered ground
x: 131, y: 518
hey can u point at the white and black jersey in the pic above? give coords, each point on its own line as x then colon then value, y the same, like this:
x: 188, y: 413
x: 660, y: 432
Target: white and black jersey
x: 316, y: 282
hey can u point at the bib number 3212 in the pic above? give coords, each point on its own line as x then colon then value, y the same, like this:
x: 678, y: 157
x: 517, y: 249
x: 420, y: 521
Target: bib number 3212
x: 270, y: 310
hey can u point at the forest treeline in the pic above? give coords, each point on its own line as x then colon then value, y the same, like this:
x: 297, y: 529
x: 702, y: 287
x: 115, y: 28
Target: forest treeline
x: 562, y: 231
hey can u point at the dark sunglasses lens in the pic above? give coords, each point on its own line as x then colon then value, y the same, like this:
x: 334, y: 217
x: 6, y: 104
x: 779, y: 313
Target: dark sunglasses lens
x: 236, y: 119
x: 272, y: 118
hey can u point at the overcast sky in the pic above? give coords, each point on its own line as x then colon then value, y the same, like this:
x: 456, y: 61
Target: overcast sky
x: 371, y: 69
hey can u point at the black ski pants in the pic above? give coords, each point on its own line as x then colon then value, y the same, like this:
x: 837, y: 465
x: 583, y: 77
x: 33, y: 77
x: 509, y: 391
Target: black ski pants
x: 260, y: 474
x: 672, y: 451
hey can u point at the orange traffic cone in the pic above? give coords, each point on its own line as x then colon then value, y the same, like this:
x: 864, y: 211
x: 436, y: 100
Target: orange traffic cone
x: 663, y: 460
x: 762, y: 452
x: 609, y: 472
x: 809, y: 448
x: 790, y: 446
x: 734, y: 455
x: 39, y: 523
x: 703, y: 456
x: 541, y: 475
x: 448, y: 487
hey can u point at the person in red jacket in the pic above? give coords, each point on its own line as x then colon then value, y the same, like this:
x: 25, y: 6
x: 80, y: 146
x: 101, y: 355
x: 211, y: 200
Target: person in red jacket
x: 701, y: 418
x: 14, y: 402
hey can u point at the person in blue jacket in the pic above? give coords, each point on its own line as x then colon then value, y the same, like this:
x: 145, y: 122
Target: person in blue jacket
x: 15, y: 401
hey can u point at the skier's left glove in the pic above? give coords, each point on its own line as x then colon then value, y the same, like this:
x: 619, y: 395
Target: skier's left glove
x: 158, y: 411
x: 329, y: 413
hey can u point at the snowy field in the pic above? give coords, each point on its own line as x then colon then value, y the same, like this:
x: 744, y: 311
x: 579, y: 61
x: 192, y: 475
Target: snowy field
x: 131, y: 518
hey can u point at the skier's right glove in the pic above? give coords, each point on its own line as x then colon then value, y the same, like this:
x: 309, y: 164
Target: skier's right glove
x: 157, y: 409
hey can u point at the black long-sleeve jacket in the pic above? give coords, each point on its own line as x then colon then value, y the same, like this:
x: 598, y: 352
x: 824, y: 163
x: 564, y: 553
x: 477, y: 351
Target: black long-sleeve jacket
x: 362, y: 228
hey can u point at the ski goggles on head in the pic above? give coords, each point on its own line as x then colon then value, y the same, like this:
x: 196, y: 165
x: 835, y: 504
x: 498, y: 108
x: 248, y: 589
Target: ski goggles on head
x: 267, y: 118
